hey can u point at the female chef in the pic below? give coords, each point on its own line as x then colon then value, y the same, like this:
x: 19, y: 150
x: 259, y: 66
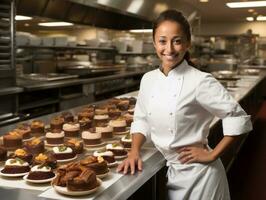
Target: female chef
x: 175, y: 106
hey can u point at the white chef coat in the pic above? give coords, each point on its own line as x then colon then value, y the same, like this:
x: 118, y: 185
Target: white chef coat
x: 175, y: 111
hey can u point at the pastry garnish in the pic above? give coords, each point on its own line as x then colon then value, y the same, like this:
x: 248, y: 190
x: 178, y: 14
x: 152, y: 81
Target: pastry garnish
x: 35, y: 141
x: 45, y: 166
x: 100, y: 159
x: 115, y: 144
x: 20, y: 152
x: 41, y: 157
x: 128, y: 136
x: 62, y: 148
x: 17, y: 160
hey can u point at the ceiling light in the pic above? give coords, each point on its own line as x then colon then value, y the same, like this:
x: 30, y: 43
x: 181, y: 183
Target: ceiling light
x: 250, y: 19
x: 261, y: 18
x: 140, y: 30
x: 51, y: 24
x: 21, y: 17
x: 246, y: 4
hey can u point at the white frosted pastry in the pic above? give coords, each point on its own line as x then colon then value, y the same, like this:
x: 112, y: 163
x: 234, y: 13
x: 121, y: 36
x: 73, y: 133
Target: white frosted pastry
x: 111, y: 146
x: 105, y: 153
x: 39, y: 168
x: 58, y: 150
x: 71, y: 127
x: 16, y: 162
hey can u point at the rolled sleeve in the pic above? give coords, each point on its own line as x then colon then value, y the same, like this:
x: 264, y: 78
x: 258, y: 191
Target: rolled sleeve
x: 236, y: 125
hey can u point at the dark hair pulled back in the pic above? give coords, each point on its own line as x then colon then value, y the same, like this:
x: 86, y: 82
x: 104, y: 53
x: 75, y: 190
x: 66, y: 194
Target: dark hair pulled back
x: 178, y: 17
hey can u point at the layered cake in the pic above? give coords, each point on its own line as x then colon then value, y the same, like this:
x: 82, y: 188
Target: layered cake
x: 23, y: 155
x: 63, y: 153
x: 24, y: 130
x: 96, y: 164
x: 76, y: 178
x: 91, y: 137
x: 55, y: 138
x: 119, y: 125
x: 101, y: 111
x: 57, y: 123
x: 15, y: 166
x: 123, y: 104
x: 71, y: 129
x: 37, y: 127
x: 86, y: 114
x: 99, y: 119
x: 34, y: 146
x: 12, y: 140
x: 117, y: 149
x: 40, y: 172
x: 3, y: 154
x: 126, y: 141
x: 108, y: 156
x: 114, y: 113
x: 106, y: 131
x: 85, y: 123
x: 45, y: 159
x: 75, y: 144
x: 67, y: 116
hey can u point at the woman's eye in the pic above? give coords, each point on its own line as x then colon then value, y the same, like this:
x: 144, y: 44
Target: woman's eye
x: 177, y: 41
x: 162, y: 41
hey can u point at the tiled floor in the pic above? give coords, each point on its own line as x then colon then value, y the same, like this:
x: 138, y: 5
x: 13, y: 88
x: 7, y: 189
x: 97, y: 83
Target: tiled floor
x: 247, y: 177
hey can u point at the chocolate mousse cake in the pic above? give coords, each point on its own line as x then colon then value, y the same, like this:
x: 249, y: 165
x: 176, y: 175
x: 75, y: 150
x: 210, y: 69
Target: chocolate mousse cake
x: 12, y: 140
x: 24, y: 130
x: 106, y: 131
x: 40, y: 172
x: 114, y: 113
x: 100, y: 119
x: 101, y: 111
x: 96, y: 164
x: 63, y: 153
x: 91, y: 137
x: 45, y: 159
x: 67, y: 116
x: 37, y: 127
x: 71, y: 129
x: 126, y: 141
x: 57, y: 123
x: 117, y: 149
x: 86, y: 114
x: 55, y: 138
x: 108, y: 156
x: 75, y: 144
x: 15, y: 166
x: 119, y: 125
x: 3, y: 154
x: 85, y: 123
x: 75, y: 178
x: 23, y: 154
x: 123, y: 104
x: 34, y: 146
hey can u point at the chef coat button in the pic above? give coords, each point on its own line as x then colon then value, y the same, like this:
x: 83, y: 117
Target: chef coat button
x: 171, y: 113
x: 149, y: 113
x: 174, y: 95
x: 152, y: 96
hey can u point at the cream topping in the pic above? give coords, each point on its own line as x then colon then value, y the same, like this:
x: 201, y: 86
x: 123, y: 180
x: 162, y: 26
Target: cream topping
x: 104, y: 129
x: 106, y: 153
x: 55, y: 135
x: 124, y: 139
x: 118, y: 123
x: 57, y: 150
x: 16, y: 162
x: 38, y: 168
x: 110, y: 146
x: 89, y: 135
x: 71, y: 127
x: 99, y: 117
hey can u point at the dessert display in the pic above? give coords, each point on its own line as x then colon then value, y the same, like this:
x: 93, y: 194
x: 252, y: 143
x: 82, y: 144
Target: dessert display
x: 34, y: 146
x: 71, y: 129
x: 12, y: 140
x: 57, y: 123
x: 100, y: 119
x: 108, y: 156
x: 3, y: 154
x: 91, y: 137
x: 67, y: 116
x: 117, y: 149
x: 63, y: 153
x: 85, y: 123
x: 40, y: 172
x: 126, y: 141
x: 15, y: 166
x: 119, y: 125
x: 96, y: 164
x: 37, y: 127
x: 75, y: 144
x: 45, y: 159
x: 106, y: 131
x: 75, y: 177
x: 24, y: 130
x: 55, y: 138
x: 23, y: 155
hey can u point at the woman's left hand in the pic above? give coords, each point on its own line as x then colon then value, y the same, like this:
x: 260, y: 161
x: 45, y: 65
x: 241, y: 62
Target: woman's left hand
x: 190, y: 154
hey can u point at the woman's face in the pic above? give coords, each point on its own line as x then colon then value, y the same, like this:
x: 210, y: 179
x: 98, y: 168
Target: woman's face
x: 170, y: 43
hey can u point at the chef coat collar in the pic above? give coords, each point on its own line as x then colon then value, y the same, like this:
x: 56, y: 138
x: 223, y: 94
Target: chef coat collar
x: 177, y: 71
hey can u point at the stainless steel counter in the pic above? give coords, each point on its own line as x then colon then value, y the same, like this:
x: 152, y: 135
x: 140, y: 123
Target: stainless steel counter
x: 125, y: 186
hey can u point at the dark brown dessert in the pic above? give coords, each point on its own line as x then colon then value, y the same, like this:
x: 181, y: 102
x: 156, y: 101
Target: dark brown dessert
x: 85, y: 114
x: 67, y: 116
x: 23, y: 155
x: 126, y: 141
x: 12, y: 140
x: 91, y: 137
x: 117, y: 149
x: 75, y: 144
x: 123, y: 104
x: 45, y: 159
x: 15, y: 166
x: 97, y: 164
x: 114, y: 113
x: 3, y: 154
x: 24, y: 130
x: 37, y: 127
x: 57, y: 123
x: 85, y: 123
x: 40, y: 172
x: 63, y: 153
x: 55, y: 137
x: 108, y: 156
x: 34, y: 146
x: 71, y: 129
